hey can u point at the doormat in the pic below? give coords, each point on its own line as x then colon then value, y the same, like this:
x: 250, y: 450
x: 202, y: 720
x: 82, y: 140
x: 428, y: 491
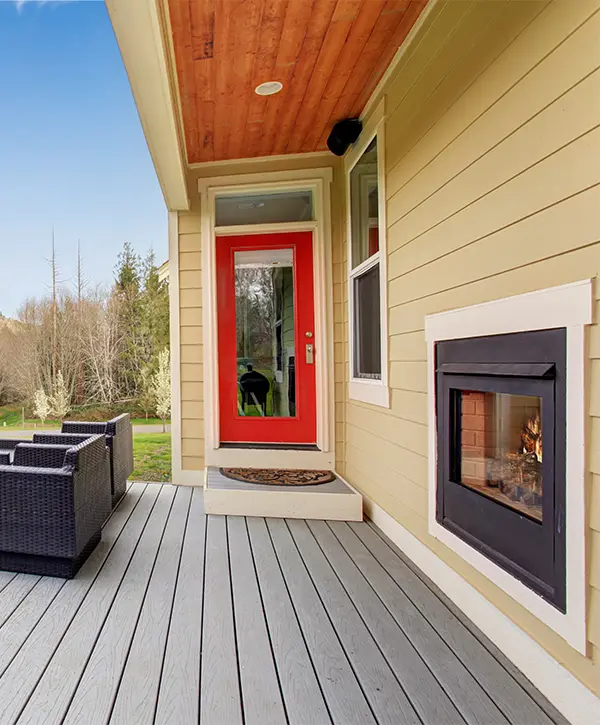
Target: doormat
x: 278, y: 476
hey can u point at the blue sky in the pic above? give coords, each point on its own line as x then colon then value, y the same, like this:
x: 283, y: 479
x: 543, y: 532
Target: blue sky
x: 72, y: 151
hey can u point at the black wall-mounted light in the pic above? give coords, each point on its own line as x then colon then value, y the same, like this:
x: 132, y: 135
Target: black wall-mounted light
x: 343, y: 134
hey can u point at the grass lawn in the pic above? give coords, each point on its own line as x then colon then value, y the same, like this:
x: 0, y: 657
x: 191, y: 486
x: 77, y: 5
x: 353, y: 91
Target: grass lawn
x: 152, y: 457
x: 12, y: 418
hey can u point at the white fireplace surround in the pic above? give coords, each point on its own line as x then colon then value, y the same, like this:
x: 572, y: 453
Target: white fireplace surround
x: 568, y: 306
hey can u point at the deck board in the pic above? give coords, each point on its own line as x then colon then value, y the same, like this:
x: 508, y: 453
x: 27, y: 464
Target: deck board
x: 263, y: 702
x: 220, y: 700
x: 179, y: 618
x: 456, y: 680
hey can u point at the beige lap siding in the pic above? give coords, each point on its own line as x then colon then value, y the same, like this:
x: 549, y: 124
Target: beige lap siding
x: 190, y: 303
x: 493, y: 187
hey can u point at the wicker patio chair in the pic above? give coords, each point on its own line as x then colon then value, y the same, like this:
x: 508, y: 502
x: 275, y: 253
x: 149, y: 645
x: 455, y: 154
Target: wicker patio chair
x: 51, y: 517
x: 119, y: 439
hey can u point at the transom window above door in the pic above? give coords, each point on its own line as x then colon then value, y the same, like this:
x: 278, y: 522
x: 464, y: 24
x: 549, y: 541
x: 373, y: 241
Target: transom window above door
x: 264, y: 208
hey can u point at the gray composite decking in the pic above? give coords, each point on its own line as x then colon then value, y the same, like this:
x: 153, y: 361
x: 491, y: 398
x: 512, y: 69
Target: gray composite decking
x: 178, y: 618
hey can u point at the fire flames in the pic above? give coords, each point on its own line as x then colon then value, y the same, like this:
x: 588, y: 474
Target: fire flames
x: 531, y: 437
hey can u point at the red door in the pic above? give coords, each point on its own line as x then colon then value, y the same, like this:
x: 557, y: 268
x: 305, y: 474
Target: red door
x: 265, y: 298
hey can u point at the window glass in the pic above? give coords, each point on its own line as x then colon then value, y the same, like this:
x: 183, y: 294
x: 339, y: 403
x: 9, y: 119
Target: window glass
x: 265, y: 333
x: 367, y: 325
x: 364, y: 206
x: 292, y: 206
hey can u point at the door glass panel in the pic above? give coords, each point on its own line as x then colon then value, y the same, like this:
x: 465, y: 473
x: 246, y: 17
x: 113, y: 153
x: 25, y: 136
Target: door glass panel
x: 501, y: 448
x: 265, y: 344
x: 271, y: 208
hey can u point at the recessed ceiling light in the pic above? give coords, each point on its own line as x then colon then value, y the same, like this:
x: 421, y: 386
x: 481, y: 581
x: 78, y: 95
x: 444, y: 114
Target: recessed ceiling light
x: 269, y: 88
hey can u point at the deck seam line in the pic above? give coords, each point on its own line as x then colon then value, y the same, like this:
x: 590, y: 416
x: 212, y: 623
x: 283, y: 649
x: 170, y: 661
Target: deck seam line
x: 264, y: 614
x: 389, y: 664
x: 109, y: 610
x: 139, y: 614
x: 331, y: 720
x: 14, y: 574
x: 164, y: 655
x: 202, y: 618
x: 333, y: 627
x: 235, y: 637
x: 35, y: 624
x: 466, y: 623
x: 39, y: 679
x: 439, y: 634
x: 409, y: 639
x: 435, y: 631
x: 23, y: 598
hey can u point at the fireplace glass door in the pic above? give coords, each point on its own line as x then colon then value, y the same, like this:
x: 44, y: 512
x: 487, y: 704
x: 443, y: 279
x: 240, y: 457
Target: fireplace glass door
x: 501, y: 448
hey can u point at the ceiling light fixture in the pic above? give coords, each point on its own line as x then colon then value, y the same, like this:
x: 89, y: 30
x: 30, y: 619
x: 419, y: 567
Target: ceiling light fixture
x: 269, y: 88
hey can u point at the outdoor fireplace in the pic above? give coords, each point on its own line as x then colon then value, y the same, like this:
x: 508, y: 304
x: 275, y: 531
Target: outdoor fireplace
x: 501, y: 412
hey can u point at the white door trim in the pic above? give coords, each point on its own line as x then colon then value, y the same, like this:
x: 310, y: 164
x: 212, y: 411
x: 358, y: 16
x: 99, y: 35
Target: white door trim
x: 319, y: 182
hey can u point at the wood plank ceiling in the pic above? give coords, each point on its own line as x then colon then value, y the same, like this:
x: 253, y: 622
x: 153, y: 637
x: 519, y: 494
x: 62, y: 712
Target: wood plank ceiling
x: 328, y: 54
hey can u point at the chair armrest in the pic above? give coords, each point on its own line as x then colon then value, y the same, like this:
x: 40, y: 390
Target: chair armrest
x: 67, y: 439
x: 37, y: 513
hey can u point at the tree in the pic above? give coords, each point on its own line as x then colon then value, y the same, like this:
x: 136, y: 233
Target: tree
x: 146, y: 397
x: 41, y: 405
x: 162, y: 386
x: 60, y: 400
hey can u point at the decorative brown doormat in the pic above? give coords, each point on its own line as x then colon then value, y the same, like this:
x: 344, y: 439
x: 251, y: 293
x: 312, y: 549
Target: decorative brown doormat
x: 278, y: 476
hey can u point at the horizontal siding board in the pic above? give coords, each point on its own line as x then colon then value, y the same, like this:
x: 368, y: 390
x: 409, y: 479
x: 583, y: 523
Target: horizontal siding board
x: 192, y: 373
x: 190, y: 242
x: 190, y: 317
x: 190, y: 297
x: 190, y: 261
x: 412, y: 465
x: 190, y: 279
x: 527, y: 194
x: 189, y: 222
x: 192, y: 463
x: 191, y: 335
x: 413, y: 435
x: 536, y: 237
x: 560, y: 269
x: 538, y: 40
x: 414, y: 123
x: 191, y: 354
x: 192, y: 391
x: 192, y: 409
x: 595, y: 503
x: 192, y: 428
x: 193, y: 447
x: 528, y: 152
x: 562, y: 70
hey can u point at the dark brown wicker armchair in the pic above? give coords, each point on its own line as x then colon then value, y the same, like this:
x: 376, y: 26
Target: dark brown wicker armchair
x: 119, y: 440
x: 50, y: 514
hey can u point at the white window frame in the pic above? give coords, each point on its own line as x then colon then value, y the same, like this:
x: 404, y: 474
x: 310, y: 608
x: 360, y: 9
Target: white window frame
x: 365, y: 390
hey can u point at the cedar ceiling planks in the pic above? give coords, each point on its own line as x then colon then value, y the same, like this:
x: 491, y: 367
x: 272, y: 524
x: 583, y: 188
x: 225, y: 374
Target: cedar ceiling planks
x: 329, y: 55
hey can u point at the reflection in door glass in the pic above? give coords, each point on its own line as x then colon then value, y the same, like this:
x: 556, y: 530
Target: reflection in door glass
x: 266, y: 346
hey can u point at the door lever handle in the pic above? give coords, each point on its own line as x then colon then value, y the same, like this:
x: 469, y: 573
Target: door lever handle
x: 310, y: 354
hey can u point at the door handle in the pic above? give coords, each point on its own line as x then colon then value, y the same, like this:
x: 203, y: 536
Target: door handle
x: 310, y: 354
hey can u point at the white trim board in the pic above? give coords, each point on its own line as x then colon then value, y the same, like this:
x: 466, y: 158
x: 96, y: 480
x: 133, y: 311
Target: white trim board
x: 175, y: 345
x: 318, y: 181
x: 578, y: 704
x: 568, y: 306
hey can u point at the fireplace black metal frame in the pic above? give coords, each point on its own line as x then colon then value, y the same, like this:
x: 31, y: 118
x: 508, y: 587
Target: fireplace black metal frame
x: 527, y: 363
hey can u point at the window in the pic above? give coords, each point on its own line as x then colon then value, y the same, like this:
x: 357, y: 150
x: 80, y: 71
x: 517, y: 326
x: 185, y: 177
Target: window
x: 367, y: 277
x: 266, y: 208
